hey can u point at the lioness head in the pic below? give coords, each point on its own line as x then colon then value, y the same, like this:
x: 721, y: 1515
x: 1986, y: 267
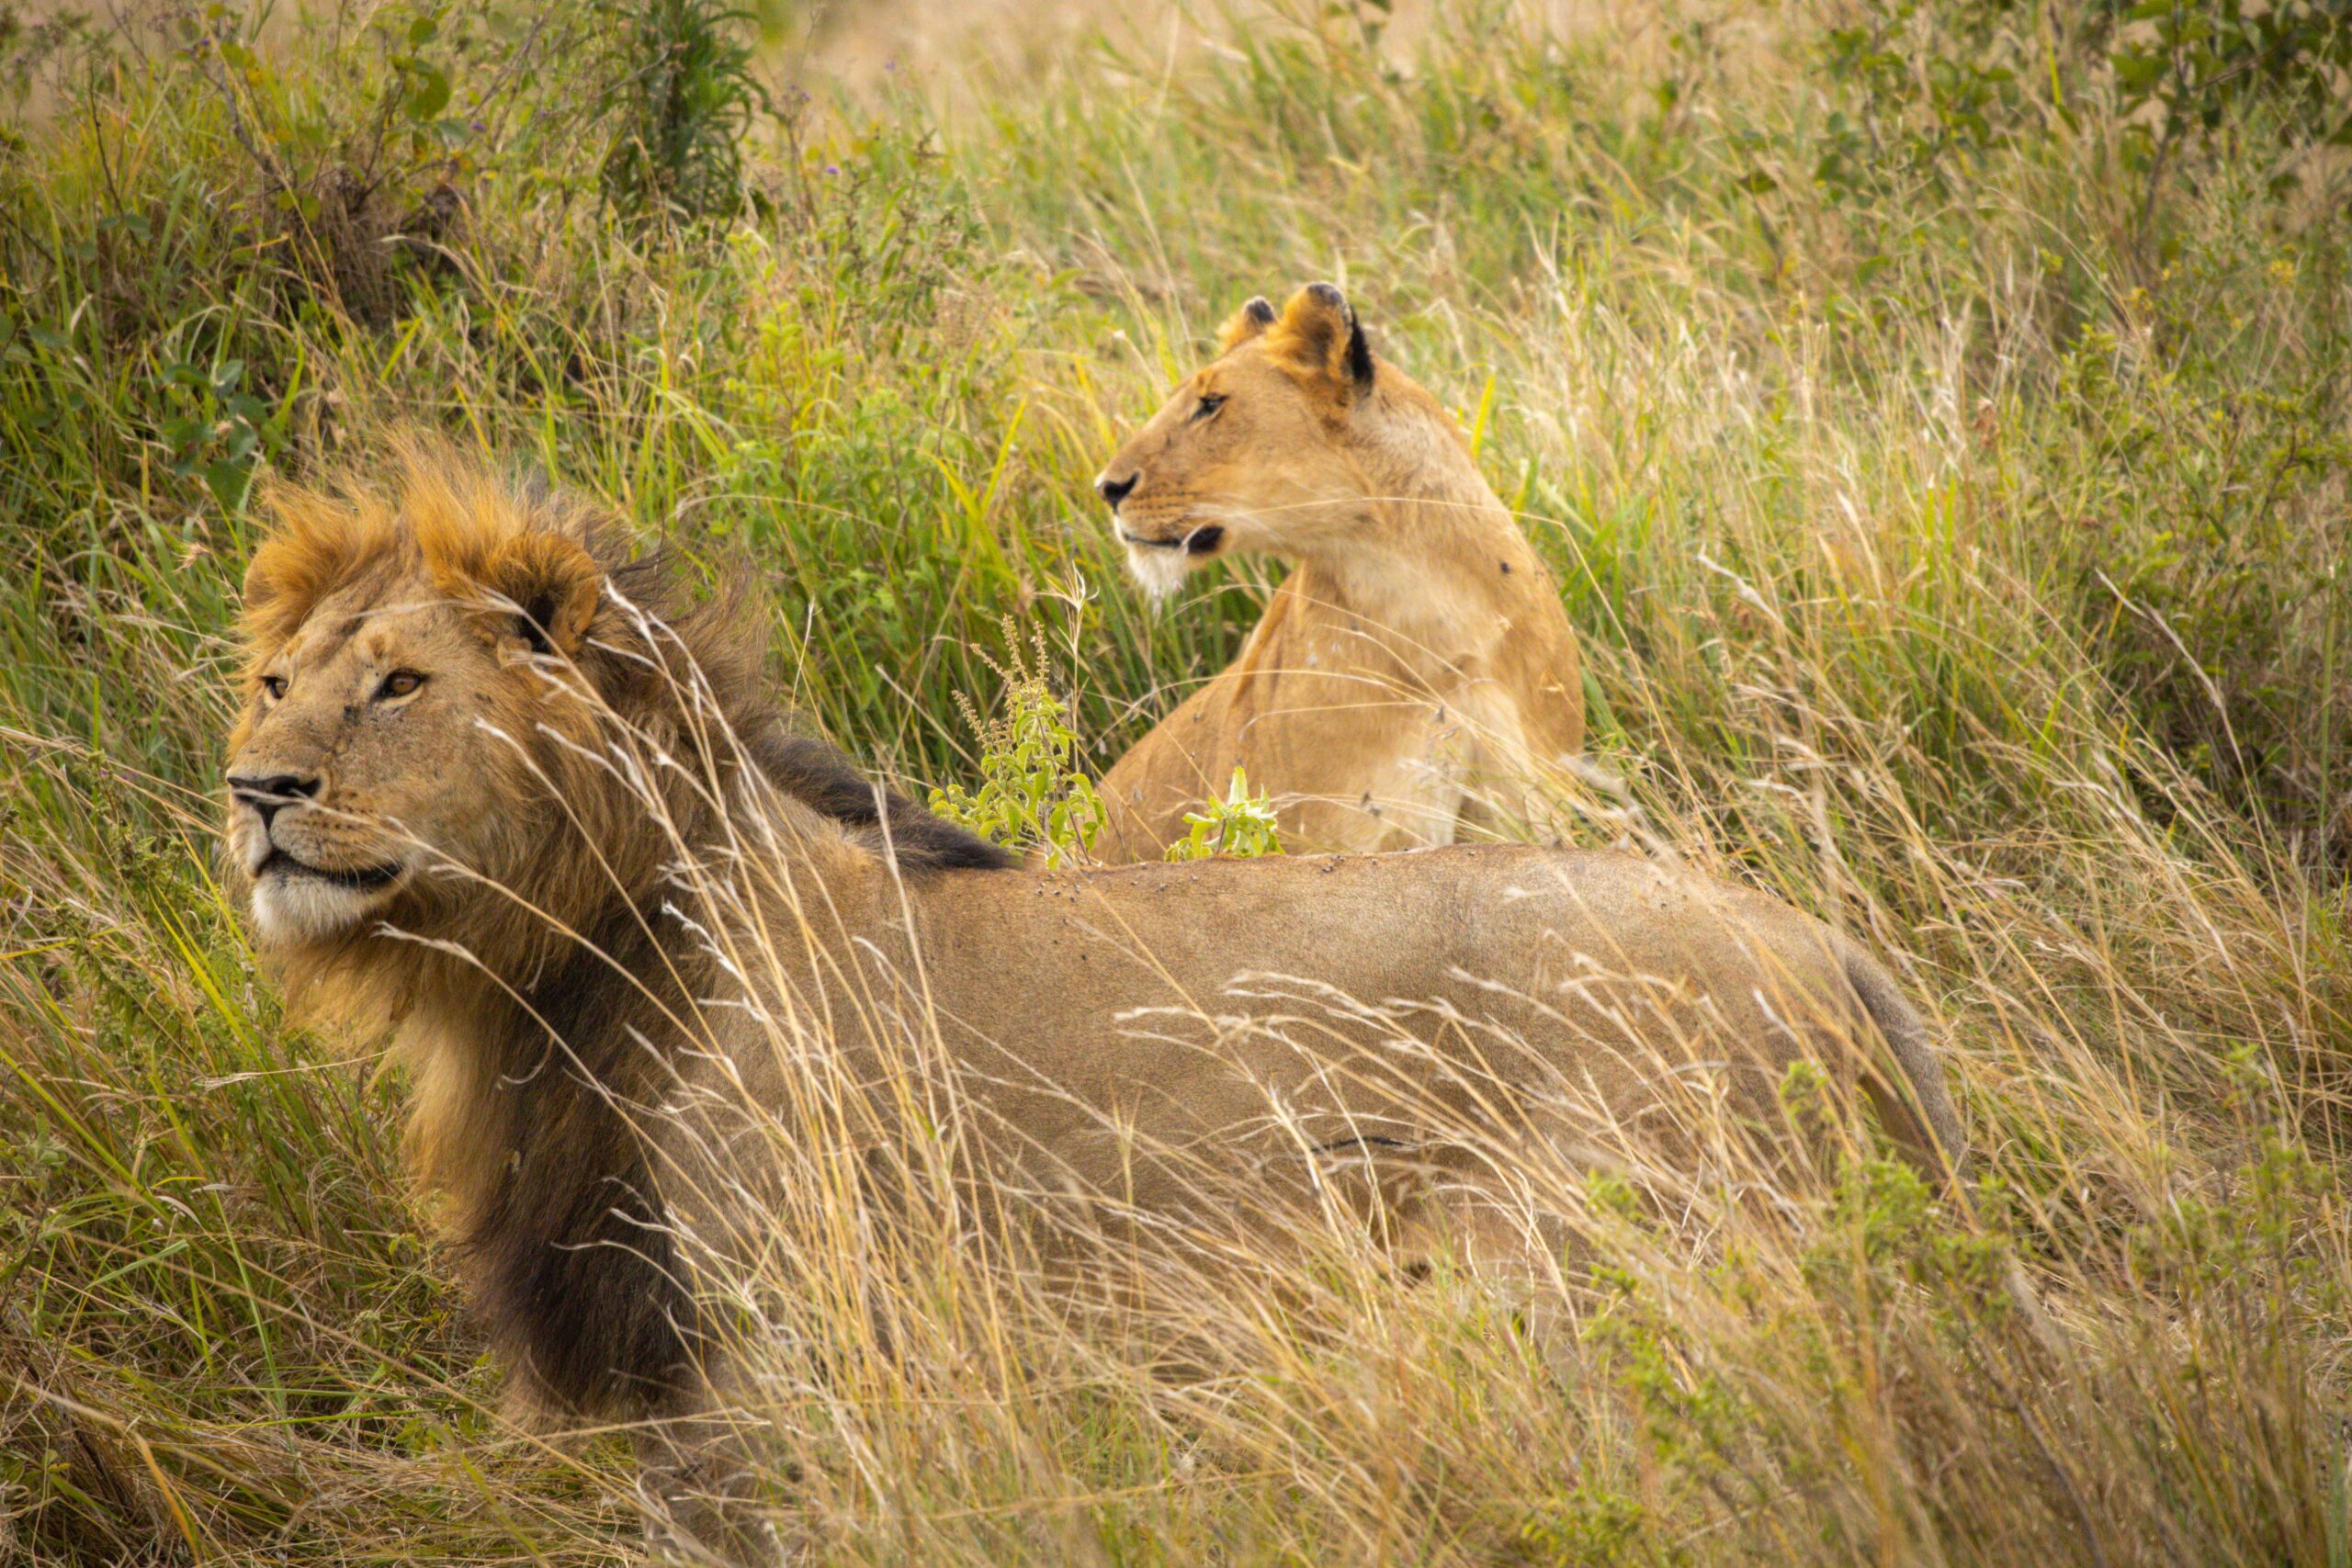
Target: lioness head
x: 400, y: 649
x: 1255, y: 451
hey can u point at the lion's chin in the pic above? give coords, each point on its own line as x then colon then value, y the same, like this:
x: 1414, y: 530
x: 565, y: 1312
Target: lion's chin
x: 293, y: 907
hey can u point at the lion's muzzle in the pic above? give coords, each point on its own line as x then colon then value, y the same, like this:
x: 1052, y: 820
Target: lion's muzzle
x: 309, y: 880
x: 268, y: 795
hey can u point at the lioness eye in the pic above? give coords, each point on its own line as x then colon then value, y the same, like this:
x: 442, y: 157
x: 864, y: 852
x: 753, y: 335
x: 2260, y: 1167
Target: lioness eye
x: 400, y: 683
x: 1210, y: 403
x: 274, y: 685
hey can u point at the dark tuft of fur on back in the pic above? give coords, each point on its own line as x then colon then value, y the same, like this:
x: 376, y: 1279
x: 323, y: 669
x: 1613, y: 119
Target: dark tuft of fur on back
x: 723, y: 638
x: 816, y: 772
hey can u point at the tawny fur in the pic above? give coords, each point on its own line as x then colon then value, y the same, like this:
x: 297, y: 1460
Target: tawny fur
x: 1414, y: 666
x: 577, y: 733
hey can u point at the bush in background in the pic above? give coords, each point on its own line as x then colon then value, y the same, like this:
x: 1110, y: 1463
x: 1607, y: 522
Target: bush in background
x: 683, y: 98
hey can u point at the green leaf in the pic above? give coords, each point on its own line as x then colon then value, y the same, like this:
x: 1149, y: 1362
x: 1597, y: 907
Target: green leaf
x: 2135, y: 73
x: 226, y: 480
x: 430, y: 95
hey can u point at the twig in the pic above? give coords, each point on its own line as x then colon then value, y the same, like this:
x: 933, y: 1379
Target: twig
x: 213, y: 64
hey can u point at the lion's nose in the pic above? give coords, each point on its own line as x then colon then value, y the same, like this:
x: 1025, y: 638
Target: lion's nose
x: 1116, y: 490
x: 269, y: 793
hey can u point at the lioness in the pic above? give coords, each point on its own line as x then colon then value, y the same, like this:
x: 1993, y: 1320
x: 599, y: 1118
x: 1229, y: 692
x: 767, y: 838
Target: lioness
x: 487, y: 775
x: 1416, y: 661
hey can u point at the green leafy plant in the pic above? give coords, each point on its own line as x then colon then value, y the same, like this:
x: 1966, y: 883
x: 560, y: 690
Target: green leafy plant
x: 216, y: 428
x: 1241, y: 826
x: 2197, y: 59
x: 1927, y: 90
x: 1915, y: 115
x: 1032, y: 795
x: 684, y: 105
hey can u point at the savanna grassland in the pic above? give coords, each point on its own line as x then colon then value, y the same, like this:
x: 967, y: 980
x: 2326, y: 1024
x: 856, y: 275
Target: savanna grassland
x: 1938, y: 418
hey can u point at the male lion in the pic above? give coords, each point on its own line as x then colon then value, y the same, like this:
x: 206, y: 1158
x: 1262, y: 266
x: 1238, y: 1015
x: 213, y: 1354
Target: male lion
x: 1414, y: 665
x: 511, y: 802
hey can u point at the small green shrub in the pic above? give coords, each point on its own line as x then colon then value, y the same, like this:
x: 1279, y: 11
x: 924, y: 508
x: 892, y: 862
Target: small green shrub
x: 684, y: 107
x: 1917, y: 116
x: 1032, y: 795
x: 1928, y: 90
x: 1240, y: 826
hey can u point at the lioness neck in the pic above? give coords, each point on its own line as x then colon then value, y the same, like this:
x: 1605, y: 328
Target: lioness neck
x: 1436, y: 557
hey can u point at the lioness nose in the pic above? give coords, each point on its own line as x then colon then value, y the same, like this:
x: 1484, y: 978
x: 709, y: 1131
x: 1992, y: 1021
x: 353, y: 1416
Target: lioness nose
x: 1116, y: 490
x: 267, y: 795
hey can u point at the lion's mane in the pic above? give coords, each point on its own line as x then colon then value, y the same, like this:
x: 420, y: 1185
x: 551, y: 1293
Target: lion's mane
x: 523, y: 1010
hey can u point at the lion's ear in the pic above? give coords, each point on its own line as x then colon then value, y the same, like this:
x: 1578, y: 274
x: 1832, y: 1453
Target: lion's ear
x: 1246, y: 322
x: 554, y: 584
x: 1318, y: 333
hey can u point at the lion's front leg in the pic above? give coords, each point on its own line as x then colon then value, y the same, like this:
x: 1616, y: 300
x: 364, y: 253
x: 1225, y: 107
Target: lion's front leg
x: 698, y: 1484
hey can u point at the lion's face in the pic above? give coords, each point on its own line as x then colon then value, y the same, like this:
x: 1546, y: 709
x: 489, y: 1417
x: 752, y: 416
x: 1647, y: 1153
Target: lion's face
x: 357, y: 759
x: 1252, y: 452
x: 391, y: 693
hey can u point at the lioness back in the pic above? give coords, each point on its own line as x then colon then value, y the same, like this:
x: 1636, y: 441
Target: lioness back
x: 1416, y: 666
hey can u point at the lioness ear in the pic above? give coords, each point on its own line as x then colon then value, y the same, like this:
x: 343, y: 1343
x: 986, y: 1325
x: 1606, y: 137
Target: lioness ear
x: 1319, y: 331
x: 554, y: 584
x: 1246, y: 322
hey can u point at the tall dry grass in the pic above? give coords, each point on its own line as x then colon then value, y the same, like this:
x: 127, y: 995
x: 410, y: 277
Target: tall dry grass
x: 1956, y: 555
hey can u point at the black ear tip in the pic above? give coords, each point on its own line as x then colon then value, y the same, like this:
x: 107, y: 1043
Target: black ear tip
x: 1359, y: 351
x: 1326, y: 293
x: 1260, y: 309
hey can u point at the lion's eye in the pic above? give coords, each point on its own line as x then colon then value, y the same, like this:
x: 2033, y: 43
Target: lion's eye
x: 274, y: 685
x: 399, y: 683
x: 1210, y: 403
